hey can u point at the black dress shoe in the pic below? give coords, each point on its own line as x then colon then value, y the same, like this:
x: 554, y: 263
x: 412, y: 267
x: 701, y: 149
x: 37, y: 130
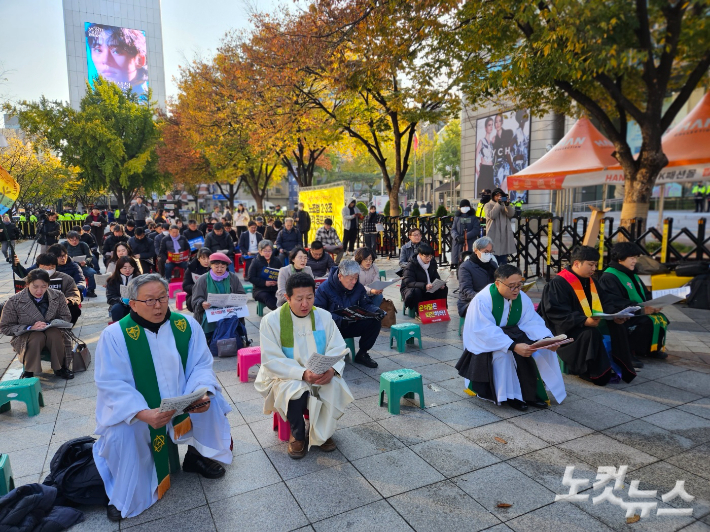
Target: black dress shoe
x: 518, y: 405
x: 365, y: 360
x: 91, y: 293
x: 113, y: 514
x: 196, y: 463
x: 536, y: 404
x: 27, y: 375
x: 636, y: 362
x: 64, y: 373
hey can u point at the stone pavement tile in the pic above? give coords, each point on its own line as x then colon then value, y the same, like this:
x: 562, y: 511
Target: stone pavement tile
x: 30, y: 479
x: 230, y: 378
x: 701, y: 407
x: 415, y: 426
x: 75, y: 427
x: 550, y: 426
x: 371, y: 407
x: 413, y: 359
x: 308, y: 528
x: 383, y: 364
x: 234, y: 417
x: 691, y: 381
x: 442, y: 506
x: 397, y: 471
x: 547, y: 466
x: 662, y: 393
x: 629, y: 404
x: 600, y: 450
x: 315, y: 460
x: 695, y: 460
x: 242, y: 392
x: 52, y: 396
x: 331, y: 491
x: 694, y: 428
x: 444, y: 353
x: 77, y: 408
x: 83, y: 377
x: 698, y: 526
x: 365, y: 440
x: 81, y: 391
x: 195, y: 520
x: 26, y: 437
x: 435, y: 395
x: 28, y: 461
x: 454, y: 386
x: 244, y: 440
x: 454, y: 455
x: 252, y: 410
x: 363, y: 387
x: 462, y: 415
x: 583, y: 388
x: 555, y: 517
x: 185, y: 493
x: 663, y: 477
x: 268, y: 509
x: 265, y: 433
x: 437, y: 373
x: 224, y: 364
x: 376, y: 517
x: 499, y: 528
x: 17, y: 417
x: 353, y: 416
x: 650, y: 438
x: 592, y: 414
x: 95, y: 520
x: 247, y: 472
x: 517, y: 441
x: 502, y: 483
x: 656, y: 369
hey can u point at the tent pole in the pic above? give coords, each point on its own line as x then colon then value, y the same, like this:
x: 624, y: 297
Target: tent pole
x: 661, y: 201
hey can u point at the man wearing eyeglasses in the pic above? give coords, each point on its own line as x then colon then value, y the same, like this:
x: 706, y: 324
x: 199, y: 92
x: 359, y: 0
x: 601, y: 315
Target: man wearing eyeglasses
x: 498, y: 363
x: 148, y: 356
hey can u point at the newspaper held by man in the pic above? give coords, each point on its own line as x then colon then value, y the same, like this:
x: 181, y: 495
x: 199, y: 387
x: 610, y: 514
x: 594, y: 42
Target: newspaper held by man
x: 180, y: 403
x: 319, y: 364
x: 227, y: 300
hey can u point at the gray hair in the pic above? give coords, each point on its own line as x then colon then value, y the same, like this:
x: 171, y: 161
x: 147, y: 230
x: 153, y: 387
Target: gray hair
x: 135, y: 285
x: 289, y: 219
x: 482, y: 243
x: 173, y: 226
x: 265, y: 244
x: 348, y: 267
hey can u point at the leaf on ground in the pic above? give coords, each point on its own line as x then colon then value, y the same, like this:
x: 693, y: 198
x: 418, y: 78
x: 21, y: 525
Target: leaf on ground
x: 500, y: 440
x: 633, y: 519
x: 504, y: 505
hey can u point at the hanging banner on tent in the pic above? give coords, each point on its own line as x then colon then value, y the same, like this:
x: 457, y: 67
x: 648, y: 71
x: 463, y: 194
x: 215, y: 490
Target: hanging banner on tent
x: 322, y: 203
x: 9, y: 191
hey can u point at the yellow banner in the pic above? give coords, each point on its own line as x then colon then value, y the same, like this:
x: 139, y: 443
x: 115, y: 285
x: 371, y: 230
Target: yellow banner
x: 323, y: 203
x: 9, y: 191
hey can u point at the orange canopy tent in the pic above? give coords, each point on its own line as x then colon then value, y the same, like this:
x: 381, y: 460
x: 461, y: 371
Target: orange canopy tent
x: 581, y: 158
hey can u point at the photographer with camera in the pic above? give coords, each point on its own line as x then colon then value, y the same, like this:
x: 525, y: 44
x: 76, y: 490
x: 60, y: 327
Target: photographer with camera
x: 48, y: 231
x: 498, y: 213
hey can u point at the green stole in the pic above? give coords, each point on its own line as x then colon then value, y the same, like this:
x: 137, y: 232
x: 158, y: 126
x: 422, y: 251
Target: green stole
x: 214, y: 287
x: 659, y: 320
x: 146, y: 381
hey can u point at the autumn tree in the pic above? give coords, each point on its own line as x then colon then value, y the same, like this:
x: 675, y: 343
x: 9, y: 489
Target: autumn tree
x: 447, y: 155
x: 615, y: 60
x: 111, y: 138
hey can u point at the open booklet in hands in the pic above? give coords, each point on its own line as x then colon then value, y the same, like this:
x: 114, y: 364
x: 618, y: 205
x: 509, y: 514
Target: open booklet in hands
x: 319, y: 364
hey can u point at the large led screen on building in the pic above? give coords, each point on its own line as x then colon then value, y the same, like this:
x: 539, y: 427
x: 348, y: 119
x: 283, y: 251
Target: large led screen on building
x: 118, y: 55
x: 502, y: 149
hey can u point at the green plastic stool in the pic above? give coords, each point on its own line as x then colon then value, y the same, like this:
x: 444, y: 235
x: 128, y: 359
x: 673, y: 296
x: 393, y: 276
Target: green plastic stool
x: 383, y: 275
x: 29, y: 391
x: 248, y: 288
x: 260, y: 309
x: 350, y: 342
x: 461, y: 320
x: 405, y: 333
x: 400, y: 383
x: 7, y: 480
x: 563, y: 366
x: 412, y: 313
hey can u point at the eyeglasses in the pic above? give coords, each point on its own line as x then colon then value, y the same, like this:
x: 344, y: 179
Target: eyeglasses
x: 513, y: 287
x: 151, y: 302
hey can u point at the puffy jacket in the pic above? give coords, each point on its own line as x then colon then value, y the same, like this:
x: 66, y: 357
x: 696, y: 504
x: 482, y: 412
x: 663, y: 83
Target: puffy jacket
x: 467, y: 228
x: 215, y: 242
x: 320, y: 267
x: 111, y: 241
x: 166, y: 246
x: 287, y: 240
x: 332, y: 296
x: 49, y: 233
x: 257, y: 266
x: 33, y: 507
x: 143, y: 247
x: 474, y: 275
x: 9, y: 231
x: 73, y: 270
x: 415, y: 276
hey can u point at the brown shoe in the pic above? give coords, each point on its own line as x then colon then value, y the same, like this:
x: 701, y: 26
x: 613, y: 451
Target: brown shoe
x: 296, y: 449
x: 328, y: 446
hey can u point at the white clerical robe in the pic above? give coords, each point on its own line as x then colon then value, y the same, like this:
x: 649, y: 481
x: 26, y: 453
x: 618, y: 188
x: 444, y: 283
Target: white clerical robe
x: 122, y: 453
x: 280, y: 378
x: 482, y: 335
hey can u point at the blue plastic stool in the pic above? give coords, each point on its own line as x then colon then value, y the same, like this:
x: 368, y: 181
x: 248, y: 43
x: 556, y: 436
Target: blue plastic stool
x: 412, y: 312
x: 405, y: 333
x: 7, y: 480
x: 400, y: 383
x: 29, y: 391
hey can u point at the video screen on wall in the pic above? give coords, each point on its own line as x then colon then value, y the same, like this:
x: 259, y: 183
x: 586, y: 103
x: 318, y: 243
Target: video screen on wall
x: 118, y: 55
x: 502, y: 149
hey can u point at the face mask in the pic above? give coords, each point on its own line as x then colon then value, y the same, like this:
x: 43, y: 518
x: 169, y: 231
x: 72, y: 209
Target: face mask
x: 465, y: 209
x: 485, y: 199
x: 50, y: 272
x: 486, y: 257
x: 125, y: 300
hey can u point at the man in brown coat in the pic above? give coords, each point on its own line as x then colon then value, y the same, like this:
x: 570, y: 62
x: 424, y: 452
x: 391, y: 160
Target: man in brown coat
x: 498, y: 213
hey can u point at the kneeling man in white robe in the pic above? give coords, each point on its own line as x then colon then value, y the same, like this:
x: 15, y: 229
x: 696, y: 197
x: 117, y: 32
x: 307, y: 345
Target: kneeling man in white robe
x: 148, y: 356
x: 289, y: 337
x: 498, y: 362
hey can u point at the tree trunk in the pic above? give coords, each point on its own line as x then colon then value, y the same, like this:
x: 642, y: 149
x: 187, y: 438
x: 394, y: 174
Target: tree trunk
x: 639, y: 179
x: 394, y: 202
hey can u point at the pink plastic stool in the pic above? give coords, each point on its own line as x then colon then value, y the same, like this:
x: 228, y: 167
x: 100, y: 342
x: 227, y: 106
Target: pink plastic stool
x: 283, y: 427
x: 535, y: 306
x: 180, y: 300
x: 173, y: 288
x: 246, y: 358
x: 237, y: 260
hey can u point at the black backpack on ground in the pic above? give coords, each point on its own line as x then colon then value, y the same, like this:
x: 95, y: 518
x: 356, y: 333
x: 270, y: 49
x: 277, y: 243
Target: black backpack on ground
x: 699, y: 296
x: 74, y: 474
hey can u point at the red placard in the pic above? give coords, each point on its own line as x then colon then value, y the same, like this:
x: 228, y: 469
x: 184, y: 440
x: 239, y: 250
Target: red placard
x: 179, y: 257
x: 320, y: 281
x: 433, y: 311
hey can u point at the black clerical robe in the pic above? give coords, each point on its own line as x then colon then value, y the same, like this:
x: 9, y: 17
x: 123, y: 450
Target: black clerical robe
x: 586, y: 356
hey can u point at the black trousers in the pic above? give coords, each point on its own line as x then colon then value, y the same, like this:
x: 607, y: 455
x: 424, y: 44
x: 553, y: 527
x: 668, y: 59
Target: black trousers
x: 367, y: 330
x: 296, y: 409
x: 349, y: 240
x: 371, y: 242
x: 414, y: 296
x: 75, y: 312
x: 699, y: 204
x: 267, y: 298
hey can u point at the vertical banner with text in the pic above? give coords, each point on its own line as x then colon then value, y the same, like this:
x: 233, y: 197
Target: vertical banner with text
x: 322, y: 203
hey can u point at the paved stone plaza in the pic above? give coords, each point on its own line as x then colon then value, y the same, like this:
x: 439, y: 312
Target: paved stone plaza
x: 461, y: 464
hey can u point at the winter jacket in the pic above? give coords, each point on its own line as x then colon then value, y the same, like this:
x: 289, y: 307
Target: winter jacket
x: 465, y: 229
x: 142, y: 247
x: 474, y: 275
x: 287, y: 240
x: 156, y: 242
x: 304, y: 221
x: 69, y: 288
x: 89, y: 240
x: 215, y: 242
x: 199, y: 294
x: 270, y: 233
x: 193, y: 266
x: 9, y: 232
x: 349, y: 219
x: 166, y: 246
x: 498, y: 227
x: 98, y: 230
x: 73, y: 270
x: 192, y: 235
x: 322, y: 266
x: 241, y: 218
x: 415, y: 276
x: 332, y: 296
x: 49, y: 234
x: 139, y: 212
x: 367, y: 277
x: 111, y: 242
x: 257, y: 266
x: 408, y: 251
x: 369, y: 224
x: 31, y: 508
x: 113, y: 290
x: 244, y: 242
x: 76, y: 251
